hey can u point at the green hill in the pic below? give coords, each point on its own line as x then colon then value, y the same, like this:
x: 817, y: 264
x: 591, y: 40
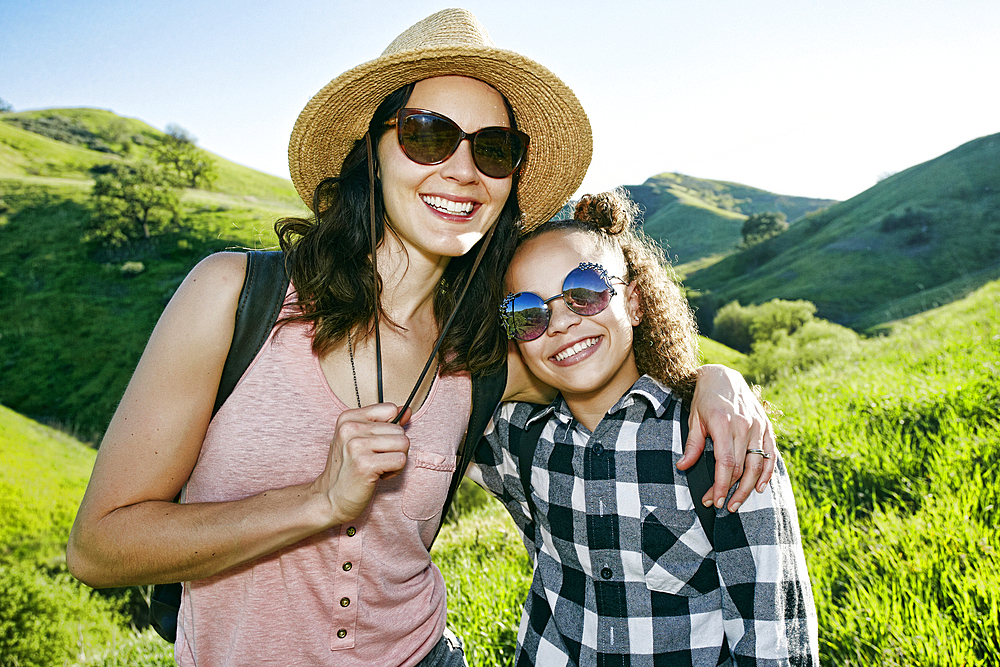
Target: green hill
x: 74, y: 318
x: 695, y: 218
x: 45, y: 473
x: 917, y: 239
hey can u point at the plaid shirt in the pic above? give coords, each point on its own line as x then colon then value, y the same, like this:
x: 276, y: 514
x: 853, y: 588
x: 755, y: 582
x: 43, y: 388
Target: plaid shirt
x: 623, y: 571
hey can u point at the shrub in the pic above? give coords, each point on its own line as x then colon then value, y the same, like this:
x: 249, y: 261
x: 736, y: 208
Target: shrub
x: 740, y: 327
x: 731, y: 326
x: 815, y: 342
x: 762, y: 226
x: 778, y: 315
x: 909, y: 219
x: 132, y: 268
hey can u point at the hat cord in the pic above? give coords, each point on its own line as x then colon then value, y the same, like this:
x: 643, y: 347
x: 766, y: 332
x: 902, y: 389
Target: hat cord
x: 454, y: 312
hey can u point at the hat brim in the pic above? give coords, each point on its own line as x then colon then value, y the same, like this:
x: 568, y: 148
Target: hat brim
x: 560, y: 146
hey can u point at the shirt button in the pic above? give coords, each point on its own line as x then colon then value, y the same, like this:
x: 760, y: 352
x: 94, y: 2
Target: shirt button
x: 606, y: 573
x: 341, y: 633
x: 598, y: 449
x: 347, y: 566
x: 344, y: 602
x: 351, y: 531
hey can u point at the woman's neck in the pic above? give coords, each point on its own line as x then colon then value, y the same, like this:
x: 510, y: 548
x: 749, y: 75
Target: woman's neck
x: 409, y: 280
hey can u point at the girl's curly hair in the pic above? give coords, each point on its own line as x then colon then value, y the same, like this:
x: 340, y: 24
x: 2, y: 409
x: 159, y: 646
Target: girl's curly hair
x: 665, y: 341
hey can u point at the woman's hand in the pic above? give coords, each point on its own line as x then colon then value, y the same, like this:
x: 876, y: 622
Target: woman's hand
x: 725, y: 408
x: 367, y: 447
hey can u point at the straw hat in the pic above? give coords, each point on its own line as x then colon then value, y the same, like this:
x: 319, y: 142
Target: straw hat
x: 451, y: 42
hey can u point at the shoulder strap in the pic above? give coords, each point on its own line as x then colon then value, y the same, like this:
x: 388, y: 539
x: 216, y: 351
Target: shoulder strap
x: 700, y: 479
x: 263, y: 294
x: 261, y: 298
x: 487, y: 390
x: 523, y: 443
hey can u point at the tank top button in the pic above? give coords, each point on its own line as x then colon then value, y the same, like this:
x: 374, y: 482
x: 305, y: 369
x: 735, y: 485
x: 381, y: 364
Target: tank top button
x: 344, y: 602
x: 341, y: 633
x: 351, y: 531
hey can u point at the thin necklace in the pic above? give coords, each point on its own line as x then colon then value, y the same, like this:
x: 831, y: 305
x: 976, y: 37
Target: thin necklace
x: 350, y: 351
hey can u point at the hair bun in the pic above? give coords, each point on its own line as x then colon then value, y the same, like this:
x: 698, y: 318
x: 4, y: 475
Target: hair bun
x: 612, y: 212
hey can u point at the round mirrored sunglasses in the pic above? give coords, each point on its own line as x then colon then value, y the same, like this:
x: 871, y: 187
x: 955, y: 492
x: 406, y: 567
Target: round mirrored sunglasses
x: 586, y: 291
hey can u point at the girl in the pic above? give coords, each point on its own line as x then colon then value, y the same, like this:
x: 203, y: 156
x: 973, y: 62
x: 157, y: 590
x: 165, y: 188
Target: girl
x: 625, y: 572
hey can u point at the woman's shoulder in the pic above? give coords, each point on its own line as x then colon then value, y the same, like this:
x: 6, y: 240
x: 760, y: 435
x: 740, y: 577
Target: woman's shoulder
x: 221, y: 269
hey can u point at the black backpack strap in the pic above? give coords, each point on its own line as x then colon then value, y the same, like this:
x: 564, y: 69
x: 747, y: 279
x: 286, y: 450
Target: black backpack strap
x: 700, y: 479
x: 487, y: 390
x: 523, y: 442
x: 261, y: 297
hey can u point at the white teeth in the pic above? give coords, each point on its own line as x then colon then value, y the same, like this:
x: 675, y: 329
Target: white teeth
x: 448, y: 206
x: 576, y: 349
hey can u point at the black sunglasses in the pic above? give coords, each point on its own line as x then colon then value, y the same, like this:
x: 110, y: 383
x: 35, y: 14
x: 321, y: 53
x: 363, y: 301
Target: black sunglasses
x: 586, y: 290
x: 430, y: 138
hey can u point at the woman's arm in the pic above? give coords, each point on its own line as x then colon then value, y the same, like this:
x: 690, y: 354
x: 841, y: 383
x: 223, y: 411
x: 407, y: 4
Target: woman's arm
x: 128, y: 531
x: 724, y: 407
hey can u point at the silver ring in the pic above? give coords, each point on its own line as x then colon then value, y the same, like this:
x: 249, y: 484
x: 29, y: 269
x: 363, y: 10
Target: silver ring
x: 759, y: 451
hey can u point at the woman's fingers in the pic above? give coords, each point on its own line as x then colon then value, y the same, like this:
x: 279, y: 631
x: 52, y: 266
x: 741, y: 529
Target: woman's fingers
x: 367, y: 447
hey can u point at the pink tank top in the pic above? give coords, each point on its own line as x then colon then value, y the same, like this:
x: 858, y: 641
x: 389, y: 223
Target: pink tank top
x: 362, y: 593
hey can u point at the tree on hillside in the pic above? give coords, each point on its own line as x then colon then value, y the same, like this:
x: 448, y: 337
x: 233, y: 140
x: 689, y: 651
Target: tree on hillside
x: 762, y: 226
x: 191, y: 166
x: 5, y: 106
x: 131, y: 202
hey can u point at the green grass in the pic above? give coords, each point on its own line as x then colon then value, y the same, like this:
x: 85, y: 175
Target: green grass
x: 487, y: 572
x: 44, y: 476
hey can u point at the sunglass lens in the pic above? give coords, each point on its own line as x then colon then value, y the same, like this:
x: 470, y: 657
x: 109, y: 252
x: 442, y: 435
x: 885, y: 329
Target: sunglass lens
x: 585, y: 292
x: 497, y: 152
x: 526, y: 317
x: 427, y: 139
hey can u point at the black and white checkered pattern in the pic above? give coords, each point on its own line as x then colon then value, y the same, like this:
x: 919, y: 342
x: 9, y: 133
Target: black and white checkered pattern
x: 624, y: 573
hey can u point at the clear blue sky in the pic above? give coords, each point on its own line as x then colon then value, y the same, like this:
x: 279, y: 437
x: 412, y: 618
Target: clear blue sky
x: 798, y: 97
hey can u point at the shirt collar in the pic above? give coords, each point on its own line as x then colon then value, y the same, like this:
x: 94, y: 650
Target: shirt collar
x: 645, y: 388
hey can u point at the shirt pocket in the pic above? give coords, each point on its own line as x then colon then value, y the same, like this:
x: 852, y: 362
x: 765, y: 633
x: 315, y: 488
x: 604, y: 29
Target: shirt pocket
x: 427, y: 482
x: 674, y: 553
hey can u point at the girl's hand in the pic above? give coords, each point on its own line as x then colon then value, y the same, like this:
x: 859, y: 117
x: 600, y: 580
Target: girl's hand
x: 725, y: 408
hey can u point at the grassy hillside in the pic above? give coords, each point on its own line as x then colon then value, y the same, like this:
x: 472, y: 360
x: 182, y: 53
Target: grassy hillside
x: 74, y: 318
x: 44, y: 475
x: 24, y: 154
x: 895, y: 462
x: 920, y: 238
x: 697, y: 218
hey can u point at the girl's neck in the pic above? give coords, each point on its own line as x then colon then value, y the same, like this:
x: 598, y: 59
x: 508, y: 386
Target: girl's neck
x: 589, y: 408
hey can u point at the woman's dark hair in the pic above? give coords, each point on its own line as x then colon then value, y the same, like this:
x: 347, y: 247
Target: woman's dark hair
x: 329, y: 262
x: 665, y: 341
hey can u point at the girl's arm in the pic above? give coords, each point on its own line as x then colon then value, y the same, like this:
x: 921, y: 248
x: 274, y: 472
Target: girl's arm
x: 128, y: 531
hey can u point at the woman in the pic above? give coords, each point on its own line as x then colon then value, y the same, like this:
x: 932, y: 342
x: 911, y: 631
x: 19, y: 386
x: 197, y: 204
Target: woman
x: 305, y: 524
